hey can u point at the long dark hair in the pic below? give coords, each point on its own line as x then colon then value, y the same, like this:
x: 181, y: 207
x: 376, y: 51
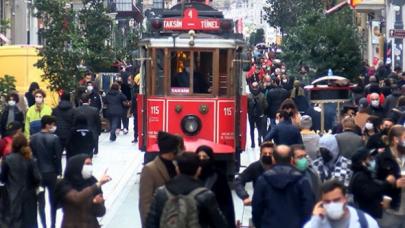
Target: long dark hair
x: 33, y: 86
x: 20, y: 145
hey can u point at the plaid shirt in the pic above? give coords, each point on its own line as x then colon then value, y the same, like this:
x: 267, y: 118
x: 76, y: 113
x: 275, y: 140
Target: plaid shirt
x: 341, y: 170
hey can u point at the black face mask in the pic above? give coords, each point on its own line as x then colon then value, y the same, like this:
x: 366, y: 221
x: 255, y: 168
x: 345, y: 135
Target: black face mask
x: 266, y: 160
x: 385, y: 131
x: 326, y: 155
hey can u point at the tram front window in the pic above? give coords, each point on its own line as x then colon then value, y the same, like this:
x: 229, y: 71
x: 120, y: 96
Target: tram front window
x: 191, y: 72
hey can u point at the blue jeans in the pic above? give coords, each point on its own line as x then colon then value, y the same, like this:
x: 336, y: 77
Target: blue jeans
x: 114, y: 122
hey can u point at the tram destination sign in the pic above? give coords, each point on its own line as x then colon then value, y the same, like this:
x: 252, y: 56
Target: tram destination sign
x: 191, y: 21
x: 397, y: 33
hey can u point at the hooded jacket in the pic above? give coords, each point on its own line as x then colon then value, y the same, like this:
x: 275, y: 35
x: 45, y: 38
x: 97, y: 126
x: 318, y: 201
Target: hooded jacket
x: 114, y: 100
x: 284, y: 133
x: 282, y: 198
x: 33, y: 114
x: 64, y: 119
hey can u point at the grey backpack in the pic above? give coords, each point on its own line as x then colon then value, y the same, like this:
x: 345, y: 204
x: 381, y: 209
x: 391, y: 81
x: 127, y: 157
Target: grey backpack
x: 181, y: 211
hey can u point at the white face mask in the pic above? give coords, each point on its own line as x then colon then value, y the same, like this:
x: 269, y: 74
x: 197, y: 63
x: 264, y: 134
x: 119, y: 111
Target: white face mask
x: 277, y: 122
x: 284, y: 80
x: 87, y: 171
x: 375, y: 103
x: 369, y: 126
x: 90, y: 88
x: 11, y: 103
x: 38, y: 100
x: 334, y: 210
x: 53, y: 129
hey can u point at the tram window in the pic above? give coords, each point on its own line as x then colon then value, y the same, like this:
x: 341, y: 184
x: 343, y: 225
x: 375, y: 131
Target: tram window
x: 223, y: 72
x: 159, y: 72
x: 202, y: 78
x: 180, y: 72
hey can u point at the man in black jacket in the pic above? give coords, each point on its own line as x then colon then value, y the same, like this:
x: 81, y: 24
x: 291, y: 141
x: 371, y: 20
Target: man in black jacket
x: 188, y: 169
x: 92, y: 116
x: 47, y: 151
x: 284, y: 133
x: 254, y: 171
x: 64, y: 114
x: 275, y: 96
x: 282, y: 197
x: 95, y: 98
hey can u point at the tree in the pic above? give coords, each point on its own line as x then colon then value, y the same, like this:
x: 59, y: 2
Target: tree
x: 95, y: 25
x: 7, y: 84
x: 257, y: 37
x: 284, y: 14
x: 324, y: 42
x: 61, y: 53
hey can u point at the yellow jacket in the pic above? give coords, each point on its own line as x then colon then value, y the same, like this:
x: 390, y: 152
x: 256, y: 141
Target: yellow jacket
x: 33, y: 114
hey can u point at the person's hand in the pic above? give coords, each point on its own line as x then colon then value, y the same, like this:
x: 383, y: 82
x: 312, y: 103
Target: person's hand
x: 319, y: 210
x: 247, y: 202
x: 400, y: 183
x: 105, y: 178
x: 391, y: 179
x: 98, y: 199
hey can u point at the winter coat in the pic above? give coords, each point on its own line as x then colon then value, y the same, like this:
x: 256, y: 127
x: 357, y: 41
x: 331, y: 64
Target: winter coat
x: 379, y: 112
x: 92, y: 117
x: 257, y: 105
x: 153, y: 175
x: 250, y: 174
x: 95, y: 100
x: 311, y: 142
x: 390, y: 102
x: 398, y: 115
x: 18, y: 117
x: 367, y: 191
x: 275, y: 97
x: 81, y: 141
x: 349, y: 142
x: 47, y: 151
x: 209, y: 212
x: 386, y: 165
x: 314, y: 181
x: 79, y: 211
x: 21, y: 178
x: 282, y: 198
x: 64, y: 114
x: 114, y: 100
x: 35, y: 115
x: 218, y: 184
x: 372, y: 87
x: 284, y: 133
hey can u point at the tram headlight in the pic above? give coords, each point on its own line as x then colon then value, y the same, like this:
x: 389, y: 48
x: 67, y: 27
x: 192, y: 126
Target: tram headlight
x: 191, y: 125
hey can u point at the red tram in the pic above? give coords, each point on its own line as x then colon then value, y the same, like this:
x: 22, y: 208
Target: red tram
x: 191, y: 81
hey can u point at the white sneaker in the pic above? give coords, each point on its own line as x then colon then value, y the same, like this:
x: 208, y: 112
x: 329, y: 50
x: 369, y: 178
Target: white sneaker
x: 125, y: 131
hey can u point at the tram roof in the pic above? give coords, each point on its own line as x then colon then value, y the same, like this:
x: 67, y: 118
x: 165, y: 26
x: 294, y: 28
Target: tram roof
x: 201, y: 40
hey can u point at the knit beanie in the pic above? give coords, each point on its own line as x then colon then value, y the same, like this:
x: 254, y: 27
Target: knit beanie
x: 167, y: 142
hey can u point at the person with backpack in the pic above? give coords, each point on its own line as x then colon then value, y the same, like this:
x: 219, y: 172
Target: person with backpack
x: 183, y: 202
x: 257, y: 105
x: 333, y: 210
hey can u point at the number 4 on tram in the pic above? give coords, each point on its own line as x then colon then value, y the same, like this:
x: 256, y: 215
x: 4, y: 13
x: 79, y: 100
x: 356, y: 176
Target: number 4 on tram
x: 191, y: 82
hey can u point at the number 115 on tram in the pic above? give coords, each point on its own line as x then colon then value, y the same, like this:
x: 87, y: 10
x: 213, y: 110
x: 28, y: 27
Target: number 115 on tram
x: 191, y: 82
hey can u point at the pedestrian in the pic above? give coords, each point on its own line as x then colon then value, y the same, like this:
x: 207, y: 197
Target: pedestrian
x: 257, y: 105
x: 216, y: 180
x: 80, y: 195
x: 398, y: 112
x: 333, y: 210
x: 82, y: 87
x: 372, y: 134
x: 157, y: 172
x: 125, y: 89
x: 284, y: 133
x: 134, y: 104
x: 275, y: 96
x: 372, y: 86
x: 253, y: 172
x: 94, y: 96
x: 299, y: 98
x: 6, y: 141
x: 29, y: 95
x: 392, y: 162
x: 93, y: 119
x: 348, y: 141
x: 21, y: 177
x: 303, y: 163
x: 362, y: 115
x: 282, y: 196
x: 367, y: 191
x: 310, y: 138
x: 392, y: 100
x: 11, y: 113
x: 201, y: 210
x: 35, y: 113
x: 81, y: 140
x: 289, y: 106
x: 64, y: 114
x: 47, y: 151
x: 331, y: 164
x: 376, y: 102
x: 115, y: 109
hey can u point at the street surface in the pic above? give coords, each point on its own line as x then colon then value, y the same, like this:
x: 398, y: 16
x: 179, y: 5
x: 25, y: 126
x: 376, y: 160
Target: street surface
x: 124, y: 163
